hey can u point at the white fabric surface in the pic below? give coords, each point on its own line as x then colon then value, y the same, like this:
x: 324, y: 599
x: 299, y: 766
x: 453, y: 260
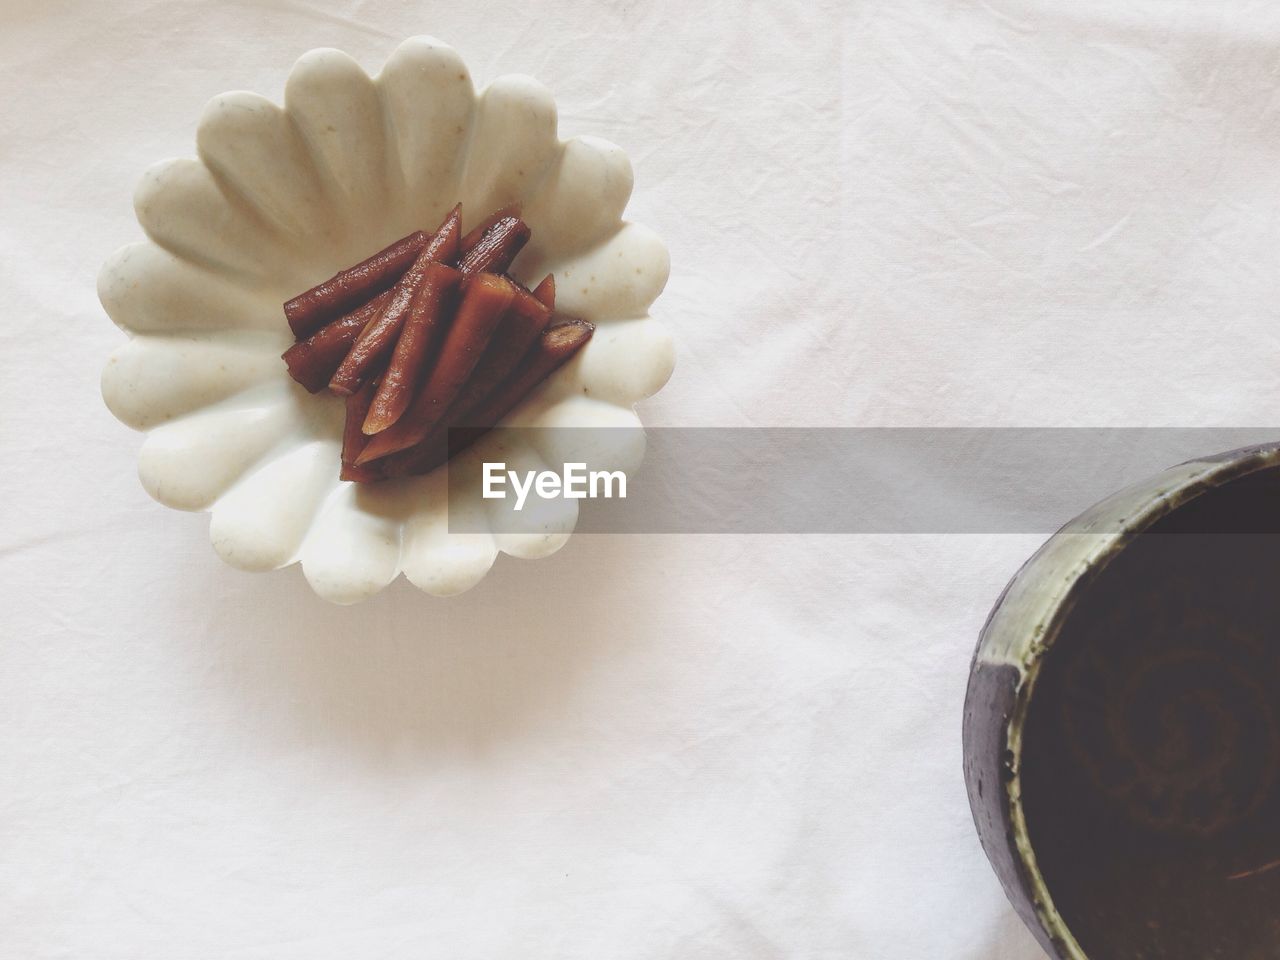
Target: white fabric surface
x: 1014, y: 212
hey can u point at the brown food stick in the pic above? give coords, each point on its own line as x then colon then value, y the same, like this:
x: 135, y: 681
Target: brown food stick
x: 472, y: 236
x: 546, y: 291
x: 365, y: 474
x: 553, y: 349
x: 362, y: 474
x: 353, y: 438
x: 379, y: 337
x: 347, y: 289
x: 445, y: 244
x: 523, y: 322
x: 494, y: 251
x: 486, y: 299
x: 312, y: 362
x: 557, y: 344
x: 418, y: 338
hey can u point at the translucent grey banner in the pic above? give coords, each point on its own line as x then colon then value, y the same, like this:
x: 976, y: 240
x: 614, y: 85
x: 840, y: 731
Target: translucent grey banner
x: 820, y: 480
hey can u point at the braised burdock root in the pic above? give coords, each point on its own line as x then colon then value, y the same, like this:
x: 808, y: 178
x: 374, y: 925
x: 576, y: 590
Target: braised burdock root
x: 380, y: 336
x: 445, y: 245
x: 552, y: 350
x: 308, y: 312
x: 545, y: 292
x: 497, y: 248
x: 472, y: 236
x: 421, y: 332
x: 426, y: 336
x: 353, y: 438
x: 520, y: 326
x: 487, y: 298
x: 313, y: 362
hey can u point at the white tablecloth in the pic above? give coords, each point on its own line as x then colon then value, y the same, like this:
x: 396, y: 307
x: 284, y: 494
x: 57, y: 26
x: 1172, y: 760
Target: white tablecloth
x: 1013, y: 212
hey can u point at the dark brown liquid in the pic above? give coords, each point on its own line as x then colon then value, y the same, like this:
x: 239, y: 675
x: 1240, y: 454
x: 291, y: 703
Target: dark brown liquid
x: 1151, y: 754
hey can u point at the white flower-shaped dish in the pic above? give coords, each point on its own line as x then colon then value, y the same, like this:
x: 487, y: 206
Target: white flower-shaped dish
x: 282, y: 198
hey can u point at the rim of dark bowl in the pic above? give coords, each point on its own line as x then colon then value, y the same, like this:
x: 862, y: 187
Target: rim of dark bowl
x: 1024, y: 623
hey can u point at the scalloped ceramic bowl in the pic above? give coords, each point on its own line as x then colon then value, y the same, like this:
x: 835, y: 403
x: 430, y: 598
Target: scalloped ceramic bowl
x: 281, y: 198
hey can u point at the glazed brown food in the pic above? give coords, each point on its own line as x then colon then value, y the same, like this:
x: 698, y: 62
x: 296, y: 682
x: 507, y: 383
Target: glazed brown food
x: 445, y: 245
x: 497, y: 248
x: 425, y: 336
x: 313, y: 362
x: 550, y: 351
x: 353, y: 438
x: 472, y: 236
x: 379, y: 338
x: 553, y: 349
x: 486, y: 300
x: 421, y: 332
x: 348, y: 289
x: 524, y: 320
x: 545, y: 292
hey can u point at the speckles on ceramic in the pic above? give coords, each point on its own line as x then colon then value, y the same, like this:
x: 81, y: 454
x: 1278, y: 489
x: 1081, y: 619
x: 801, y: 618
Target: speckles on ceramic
x: 513, y: 110
x: 281, y: 198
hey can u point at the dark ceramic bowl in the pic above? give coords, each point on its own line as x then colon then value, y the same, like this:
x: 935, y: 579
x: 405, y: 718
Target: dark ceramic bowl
x: 1122, y: 722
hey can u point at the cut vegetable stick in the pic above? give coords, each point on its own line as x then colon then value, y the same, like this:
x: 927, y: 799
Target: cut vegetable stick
x: 425, y: 456
x: 545, y: 291
x: 379, y: 337
x: 353, y: 439
x: 445, y: 245
x: 312, y: 362
x: 557, y: 344
x: 347, y: 289
x: 472, y: 236
x: 523, y: 322
x: 553, y: 349
x: 486, y: 299
x: 497, y: 248
x: 418, y: 339
x: 365, y: 474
